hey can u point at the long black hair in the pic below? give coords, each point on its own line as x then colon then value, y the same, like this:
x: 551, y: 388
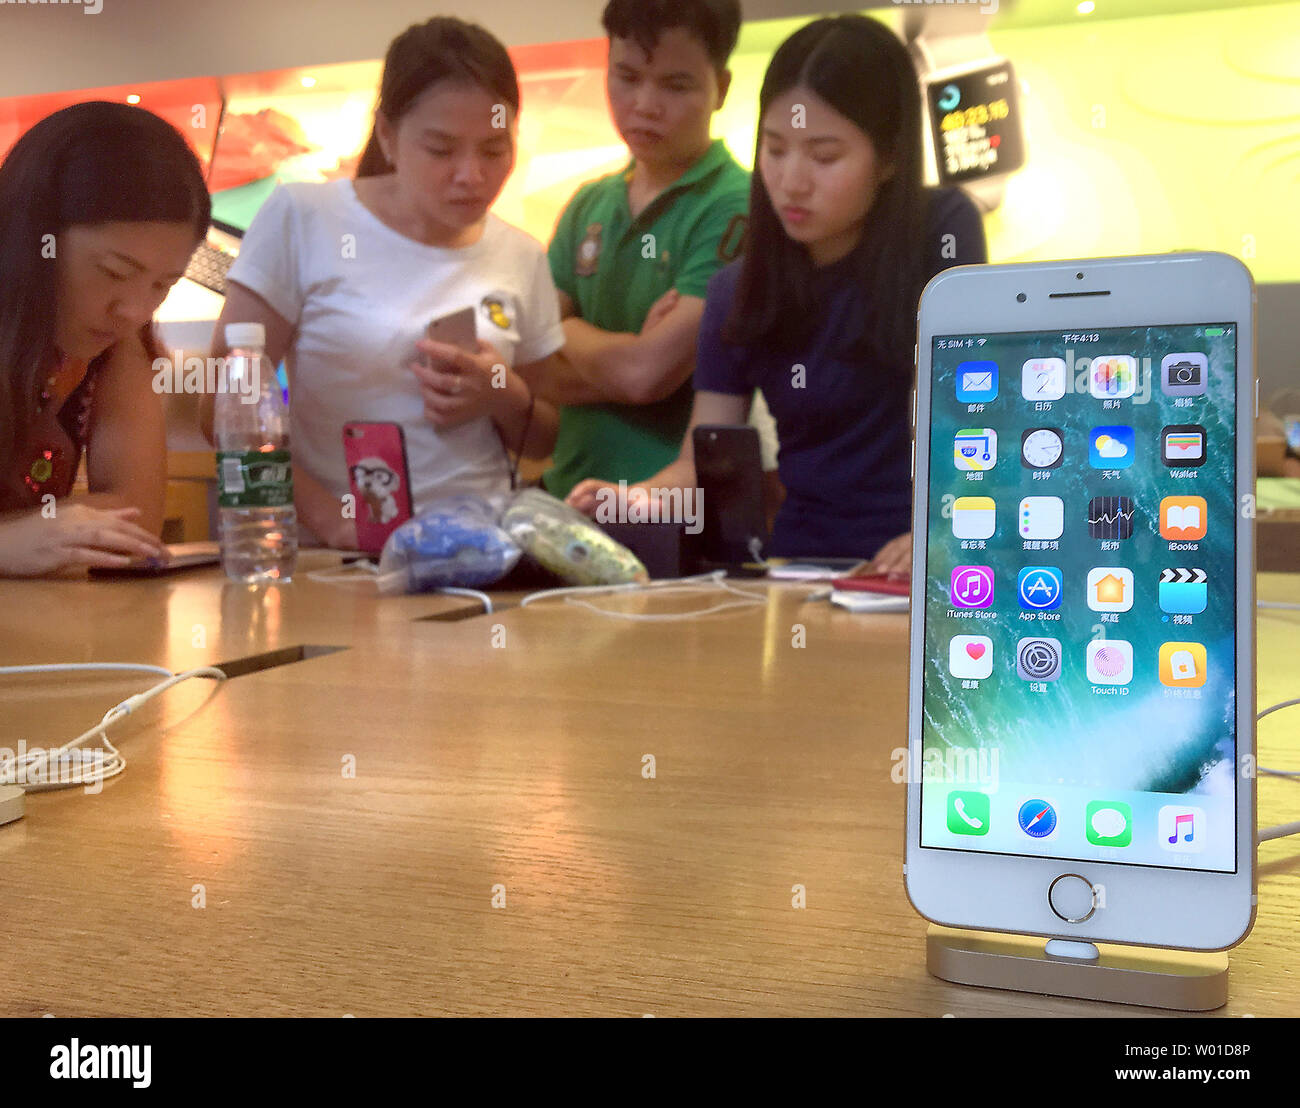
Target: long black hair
x: 444, y: 48
x: 91, y: 163
x: 861, y: 69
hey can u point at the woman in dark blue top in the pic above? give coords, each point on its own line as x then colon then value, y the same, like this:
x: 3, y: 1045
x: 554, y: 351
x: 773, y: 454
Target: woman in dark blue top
x: 820, y: 313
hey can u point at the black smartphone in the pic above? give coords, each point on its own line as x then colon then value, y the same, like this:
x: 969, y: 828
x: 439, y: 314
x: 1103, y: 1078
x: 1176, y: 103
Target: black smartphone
x: 729, y: 473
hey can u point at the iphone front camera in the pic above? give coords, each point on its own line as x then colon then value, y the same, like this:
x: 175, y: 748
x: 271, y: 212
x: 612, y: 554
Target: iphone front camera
x: 1078, y: 276
x: 1021, y: 297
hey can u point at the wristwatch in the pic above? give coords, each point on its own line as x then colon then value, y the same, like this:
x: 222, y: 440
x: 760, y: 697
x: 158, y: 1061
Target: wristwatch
x: 974, y: 136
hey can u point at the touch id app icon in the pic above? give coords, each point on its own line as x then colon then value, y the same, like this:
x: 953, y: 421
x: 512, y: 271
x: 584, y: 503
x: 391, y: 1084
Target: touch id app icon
x: 1110, y: 662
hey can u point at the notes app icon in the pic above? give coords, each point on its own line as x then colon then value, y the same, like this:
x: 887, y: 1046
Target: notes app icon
x: 1181, y: 829
x: 974, y: 517
x: 1182, y: 518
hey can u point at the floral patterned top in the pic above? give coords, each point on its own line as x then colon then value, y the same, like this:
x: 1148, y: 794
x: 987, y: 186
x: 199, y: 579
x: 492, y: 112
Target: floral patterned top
x: 52, y: 452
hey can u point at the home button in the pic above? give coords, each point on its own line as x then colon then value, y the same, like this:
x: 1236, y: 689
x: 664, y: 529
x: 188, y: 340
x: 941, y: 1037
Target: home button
x: 1072, y: 898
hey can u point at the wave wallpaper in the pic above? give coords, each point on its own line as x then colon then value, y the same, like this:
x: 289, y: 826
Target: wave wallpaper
x: 1080, y: 592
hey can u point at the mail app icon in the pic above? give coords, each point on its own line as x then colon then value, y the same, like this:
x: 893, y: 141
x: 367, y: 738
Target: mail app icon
x: 977, y: 382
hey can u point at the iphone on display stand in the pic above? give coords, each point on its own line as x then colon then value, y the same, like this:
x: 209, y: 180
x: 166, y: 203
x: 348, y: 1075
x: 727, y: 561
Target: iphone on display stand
x: 1082, y: 682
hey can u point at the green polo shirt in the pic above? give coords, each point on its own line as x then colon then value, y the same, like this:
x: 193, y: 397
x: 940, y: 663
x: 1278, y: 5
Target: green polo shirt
x: 614, y: 268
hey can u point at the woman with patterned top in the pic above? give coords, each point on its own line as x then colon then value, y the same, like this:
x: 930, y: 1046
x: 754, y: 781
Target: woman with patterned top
x: 101, y: 206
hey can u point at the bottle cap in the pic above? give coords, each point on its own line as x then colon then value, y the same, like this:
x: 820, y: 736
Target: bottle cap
x: 245, y: 335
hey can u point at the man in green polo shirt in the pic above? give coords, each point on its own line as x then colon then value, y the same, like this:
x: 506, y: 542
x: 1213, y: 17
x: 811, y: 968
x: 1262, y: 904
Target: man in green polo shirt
x: 647, y: 237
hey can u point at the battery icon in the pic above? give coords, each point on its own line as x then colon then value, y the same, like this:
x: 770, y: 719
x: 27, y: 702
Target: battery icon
x: 1213, y: 332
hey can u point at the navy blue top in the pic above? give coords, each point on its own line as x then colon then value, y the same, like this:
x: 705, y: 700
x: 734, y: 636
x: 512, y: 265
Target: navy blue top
x: 845, y: 436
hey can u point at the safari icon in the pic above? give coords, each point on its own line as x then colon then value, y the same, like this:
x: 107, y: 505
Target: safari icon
x: 1109, y: 823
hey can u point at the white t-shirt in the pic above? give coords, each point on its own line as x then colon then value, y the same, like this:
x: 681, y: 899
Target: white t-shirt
x: 359, y: 295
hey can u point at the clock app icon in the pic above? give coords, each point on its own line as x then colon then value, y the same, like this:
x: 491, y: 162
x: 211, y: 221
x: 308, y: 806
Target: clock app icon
x: 1042, y: 447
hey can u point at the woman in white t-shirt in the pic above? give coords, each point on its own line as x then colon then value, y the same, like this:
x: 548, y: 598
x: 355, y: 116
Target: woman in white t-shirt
x: 346, y: 275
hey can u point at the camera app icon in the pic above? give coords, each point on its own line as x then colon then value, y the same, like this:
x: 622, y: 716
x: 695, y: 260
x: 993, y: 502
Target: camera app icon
x: 1184, y: 374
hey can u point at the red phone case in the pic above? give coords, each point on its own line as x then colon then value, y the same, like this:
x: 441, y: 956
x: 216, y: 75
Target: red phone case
x: 379, y: 479
x: 876, y: 582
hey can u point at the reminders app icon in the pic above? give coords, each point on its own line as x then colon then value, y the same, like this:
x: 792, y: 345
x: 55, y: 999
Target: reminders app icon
x: 977, y: 382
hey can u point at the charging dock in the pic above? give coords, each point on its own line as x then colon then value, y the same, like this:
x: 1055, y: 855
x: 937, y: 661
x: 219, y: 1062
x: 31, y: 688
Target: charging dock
x: 13, y: 802
x: 1180, y: 980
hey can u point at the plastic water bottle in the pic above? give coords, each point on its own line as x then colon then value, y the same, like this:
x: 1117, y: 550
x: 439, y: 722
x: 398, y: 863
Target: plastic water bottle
x: 258, y: 524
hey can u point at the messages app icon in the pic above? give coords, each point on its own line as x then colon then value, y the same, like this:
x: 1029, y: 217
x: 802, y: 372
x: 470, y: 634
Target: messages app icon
x: 977, y: 382
x: 1109, y: 823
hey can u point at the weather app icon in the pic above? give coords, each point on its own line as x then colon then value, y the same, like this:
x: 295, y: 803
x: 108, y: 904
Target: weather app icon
x: 1039, y: 588
x: 1110, y: 447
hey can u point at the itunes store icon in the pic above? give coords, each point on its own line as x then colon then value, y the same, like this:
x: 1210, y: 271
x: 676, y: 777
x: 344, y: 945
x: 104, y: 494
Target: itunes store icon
x: 971, y: 587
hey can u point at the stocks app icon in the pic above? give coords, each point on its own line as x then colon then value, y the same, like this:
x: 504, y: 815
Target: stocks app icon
x: 1110, y: 517
x: 1038, y: 659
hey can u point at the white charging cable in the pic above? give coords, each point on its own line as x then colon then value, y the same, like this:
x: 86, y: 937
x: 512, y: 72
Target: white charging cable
x: 41, y: 770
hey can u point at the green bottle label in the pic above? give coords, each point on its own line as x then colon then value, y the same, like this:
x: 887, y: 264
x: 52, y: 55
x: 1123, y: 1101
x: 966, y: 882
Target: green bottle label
x: 254, y: 479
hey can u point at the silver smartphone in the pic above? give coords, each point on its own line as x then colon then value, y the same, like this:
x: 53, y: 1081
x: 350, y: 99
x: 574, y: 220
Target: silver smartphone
x: 1082, y: 686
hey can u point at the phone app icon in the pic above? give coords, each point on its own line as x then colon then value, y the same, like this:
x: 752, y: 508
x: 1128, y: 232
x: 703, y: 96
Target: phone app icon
x: 977, y: 382
x: 1043, y: 379
x: 1109, y: 823
x: 1110, y: 589
x: 1110, y: 517
x: 1038, y: 659
x: 1042, y: 447
x: 1037, y: 818
x: 1184, y: 374
x: 971, y: 587
x: 1110, y: 447
x: 1183, y: 445
x: 970, y: 657
x: 1039, y: 588
x: 1182, y: 518
x: 1041, y: 517
x: 975, y: 448
x: 1113, y: 376
x: 1183, y: 592
x: 1181, y: 828
x: 968, y: 813
x: 1182, y: 664
x: 1110, y: 661
x: 974, y: 517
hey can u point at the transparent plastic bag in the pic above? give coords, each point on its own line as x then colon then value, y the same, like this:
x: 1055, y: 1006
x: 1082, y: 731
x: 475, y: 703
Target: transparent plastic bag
x: 567, y: 543
x: 454, y: 543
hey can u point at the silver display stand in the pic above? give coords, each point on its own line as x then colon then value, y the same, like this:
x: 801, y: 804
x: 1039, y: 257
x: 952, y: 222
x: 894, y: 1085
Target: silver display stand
x: 1181, y: 980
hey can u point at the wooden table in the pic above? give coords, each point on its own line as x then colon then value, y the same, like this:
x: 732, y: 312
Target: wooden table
x: 502, y: 758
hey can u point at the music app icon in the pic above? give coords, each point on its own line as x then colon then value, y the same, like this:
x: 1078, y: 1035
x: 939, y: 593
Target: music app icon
x: 1182, y: 829
x: 971, y: 587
